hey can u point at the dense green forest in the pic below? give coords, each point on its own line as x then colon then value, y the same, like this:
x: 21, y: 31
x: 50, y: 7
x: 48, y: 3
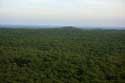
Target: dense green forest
x: 62, y: 55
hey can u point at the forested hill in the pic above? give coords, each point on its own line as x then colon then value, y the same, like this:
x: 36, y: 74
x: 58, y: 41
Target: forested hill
x: 62, y: 55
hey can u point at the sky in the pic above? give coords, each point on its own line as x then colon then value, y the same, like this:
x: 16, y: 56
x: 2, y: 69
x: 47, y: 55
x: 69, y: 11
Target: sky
x: 90, y: 13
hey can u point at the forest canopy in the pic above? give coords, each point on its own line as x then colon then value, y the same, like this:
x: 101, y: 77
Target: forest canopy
x: 62, y: 55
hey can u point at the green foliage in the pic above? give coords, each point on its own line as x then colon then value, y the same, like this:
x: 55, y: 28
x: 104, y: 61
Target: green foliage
x: 65, y: 55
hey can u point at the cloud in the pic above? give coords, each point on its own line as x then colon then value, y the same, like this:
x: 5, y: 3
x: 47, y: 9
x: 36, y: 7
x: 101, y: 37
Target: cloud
x: 63, y: 10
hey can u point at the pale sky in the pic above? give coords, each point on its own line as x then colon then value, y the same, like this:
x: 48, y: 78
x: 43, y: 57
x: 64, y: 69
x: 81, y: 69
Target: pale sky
x: 63, y: 12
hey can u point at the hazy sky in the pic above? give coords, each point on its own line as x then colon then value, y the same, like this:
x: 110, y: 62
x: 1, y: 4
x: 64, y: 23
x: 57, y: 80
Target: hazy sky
x: 63, y: 12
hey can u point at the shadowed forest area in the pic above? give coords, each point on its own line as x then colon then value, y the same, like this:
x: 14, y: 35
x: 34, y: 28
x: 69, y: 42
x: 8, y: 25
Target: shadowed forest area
x: 62, y: 55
